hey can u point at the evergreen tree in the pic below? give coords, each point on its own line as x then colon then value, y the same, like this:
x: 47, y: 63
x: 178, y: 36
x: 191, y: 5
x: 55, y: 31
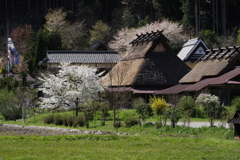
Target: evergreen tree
x: 100, y: 32
x: 188, y: 13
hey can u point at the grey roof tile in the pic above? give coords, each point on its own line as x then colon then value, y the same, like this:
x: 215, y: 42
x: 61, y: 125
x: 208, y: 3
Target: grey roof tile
x: 82, y: 56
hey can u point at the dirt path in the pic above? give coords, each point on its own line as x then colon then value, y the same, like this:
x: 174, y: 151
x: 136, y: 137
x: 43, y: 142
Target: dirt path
x: 14, y: 129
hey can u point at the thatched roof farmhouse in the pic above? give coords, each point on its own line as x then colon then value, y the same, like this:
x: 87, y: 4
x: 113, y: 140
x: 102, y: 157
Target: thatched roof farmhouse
x: 217, y: 72
x: 150, y: 65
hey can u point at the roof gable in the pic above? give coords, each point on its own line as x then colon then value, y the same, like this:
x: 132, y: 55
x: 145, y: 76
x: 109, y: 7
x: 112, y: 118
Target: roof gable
x: 146, y: 43
x: 150, y: 63
x: 213, y: 63
x: 147, y: 37
x: 192, y: 50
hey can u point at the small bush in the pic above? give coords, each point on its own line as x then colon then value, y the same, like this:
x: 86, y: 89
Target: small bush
x: 58, y: 120
x: 148, y: 124
x: 117, y: 124
x: 158, y: 125
x: 70, y: 121
x: 236, y: 102
x: 64, y: 118
x: 131, y: 121
x: 79, y: 121
x: 49, y: 119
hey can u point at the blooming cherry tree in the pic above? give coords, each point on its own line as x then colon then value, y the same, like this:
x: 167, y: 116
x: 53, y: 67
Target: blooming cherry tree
x: 172, y: 30
x: 73, y: 85
x: 210, y: 104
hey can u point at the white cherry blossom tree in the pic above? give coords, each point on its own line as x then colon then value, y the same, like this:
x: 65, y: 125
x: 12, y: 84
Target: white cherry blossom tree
x: 73, y: 85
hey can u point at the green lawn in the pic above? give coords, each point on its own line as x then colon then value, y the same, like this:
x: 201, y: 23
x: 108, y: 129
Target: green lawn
x: 146, y: 142
x: 116, y: 147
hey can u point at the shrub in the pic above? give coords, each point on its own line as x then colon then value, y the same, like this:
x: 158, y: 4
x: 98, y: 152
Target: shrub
x: 64, y: 119
x: 148, y: 124
x: 210, y: 104
x: 198, y: 112
x: 79, y: 121
x: 117, y: 124
x: 70, y: 120
x: 144, y: 110
x: 58, y: 120
x: 131, y: 121
x: 158, y: 125
x: 49, y: 119
x: 236, y: 102
x: 187, y: 105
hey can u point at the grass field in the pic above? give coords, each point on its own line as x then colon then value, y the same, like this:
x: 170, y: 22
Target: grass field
x: 145, y: 143
x: 116, y: 147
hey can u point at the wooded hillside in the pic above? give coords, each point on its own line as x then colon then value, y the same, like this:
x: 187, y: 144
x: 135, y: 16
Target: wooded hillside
x: 88, y: 21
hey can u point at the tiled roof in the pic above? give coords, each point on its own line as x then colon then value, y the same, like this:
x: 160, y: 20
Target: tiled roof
x: 147, y: 37
x: 82, y: 56
x: 173, y: 90
x: 223, y: 79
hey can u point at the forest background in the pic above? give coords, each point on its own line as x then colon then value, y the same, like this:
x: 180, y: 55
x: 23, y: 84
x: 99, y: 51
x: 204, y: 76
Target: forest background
x: 38, y: 26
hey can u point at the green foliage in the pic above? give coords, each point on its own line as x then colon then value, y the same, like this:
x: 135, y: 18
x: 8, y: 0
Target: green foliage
x: 79, y: 121
x: 144, y: 22
x: 70, y: 121
x: 144, y: 110
x: 131, y: 121
x: 187, y: 8
x: 100, y: 32
x: 49, y: 119
x: 8, y: 109
x: 8, y: 83
x: 58, y: 119
x: 55, y: 20
x: 117, y: 124
x: 236, y: 102
x: 148, y: 124
x: 210, y: 103
x: 135, y: 147
x: 103, y: 109
x: 209, y: 38
x: 37, y: 46
x: 128, y: 19
x: 187, y: 104
x: 238, y: 37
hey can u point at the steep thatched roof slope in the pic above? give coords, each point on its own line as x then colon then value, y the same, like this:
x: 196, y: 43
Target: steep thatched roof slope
x: 213, y: 63
x: 150, y: 62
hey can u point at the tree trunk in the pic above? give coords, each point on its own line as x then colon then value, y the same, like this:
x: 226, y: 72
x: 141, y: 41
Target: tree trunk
x: 224, y: 19
x: 197, y: 18
x: 77, y: 109
x: 214, y: 14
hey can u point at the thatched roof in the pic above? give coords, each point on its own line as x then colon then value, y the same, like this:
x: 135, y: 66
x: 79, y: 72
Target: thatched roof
x: 150, y: 62
x: 213, y: 63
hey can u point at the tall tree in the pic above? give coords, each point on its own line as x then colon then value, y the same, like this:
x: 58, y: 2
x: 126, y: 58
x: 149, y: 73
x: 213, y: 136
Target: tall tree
x: 188, y: 8
x: 72, y: 86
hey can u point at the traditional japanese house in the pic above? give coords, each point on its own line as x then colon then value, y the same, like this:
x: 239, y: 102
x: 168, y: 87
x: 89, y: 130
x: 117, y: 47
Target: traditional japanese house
x: 150, y: 65
x: 236, y: 122
x: 192, y: 50
x: 103, y: 60
x: 216, y: 72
